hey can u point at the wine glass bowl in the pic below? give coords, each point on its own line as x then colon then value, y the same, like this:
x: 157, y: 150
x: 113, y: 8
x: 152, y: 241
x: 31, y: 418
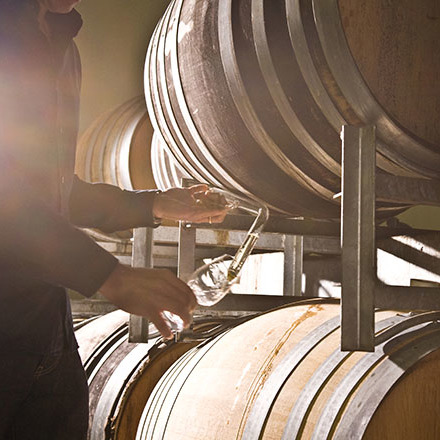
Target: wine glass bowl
x: 212, y: 281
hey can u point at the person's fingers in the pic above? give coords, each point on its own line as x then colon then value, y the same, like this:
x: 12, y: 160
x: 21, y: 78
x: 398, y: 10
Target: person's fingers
x: 192, y: 204
x: 186, y: 206
x: 203, y: 215
x: 211, y: 200
x: 173, y: 301
x: 184, y: 314
x: 170, y: 298
x: 218, y: 218
x: 162, y: 326
x: 180, y: 290
x: 186, y: 318
x: 201, y: 188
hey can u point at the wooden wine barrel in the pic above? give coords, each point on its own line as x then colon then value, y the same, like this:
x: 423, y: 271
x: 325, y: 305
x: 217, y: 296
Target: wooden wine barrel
x: 115, y: 149
x: 91, y: 335
x: 166, y: 171
x: 119, y: 148
x: 121, y: 375
x: 251, y: 95
x: 281, y: 375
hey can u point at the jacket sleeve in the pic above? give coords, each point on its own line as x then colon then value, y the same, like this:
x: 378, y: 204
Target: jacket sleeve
x: 109, y: 208
x: 43, y: 244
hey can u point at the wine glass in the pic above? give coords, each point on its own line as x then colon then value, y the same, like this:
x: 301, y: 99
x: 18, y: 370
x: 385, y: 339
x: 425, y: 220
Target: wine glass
x: 212, y: 281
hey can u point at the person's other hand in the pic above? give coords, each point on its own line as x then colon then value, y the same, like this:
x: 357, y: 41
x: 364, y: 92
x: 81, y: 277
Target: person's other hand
x: 148, y: 292
x: 194, y: 204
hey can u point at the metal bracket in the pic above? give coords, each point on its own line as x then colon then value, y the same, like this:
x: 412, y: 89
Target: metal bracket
x: 142, y: 256
x: 293, y: 265
x: 362, y: 292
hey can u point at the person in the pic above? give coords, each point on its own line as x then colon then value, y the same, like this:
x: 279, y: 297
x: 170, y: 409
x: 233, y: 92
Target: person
x: 43, y: 390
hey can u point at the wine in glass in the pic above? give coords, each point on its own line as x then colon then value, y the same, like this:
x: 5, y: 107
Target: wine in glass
x: 212, y: 281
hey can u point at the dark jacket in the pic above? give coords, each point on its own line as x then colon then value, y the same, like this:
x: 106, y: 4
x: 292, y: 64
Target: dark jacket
x: 41, y: 201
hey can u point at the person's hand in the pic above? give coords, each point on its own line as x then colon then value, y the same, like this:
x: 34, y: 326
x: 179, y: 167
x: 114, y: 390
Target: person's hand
x: 194, y: 204
x: 148, y: 292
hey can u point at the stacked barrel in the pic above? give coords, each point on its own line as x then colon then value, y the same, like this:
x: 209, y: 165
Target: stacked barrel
x: 279, y: 375
x: 282, y: 376
x: 252, y: 95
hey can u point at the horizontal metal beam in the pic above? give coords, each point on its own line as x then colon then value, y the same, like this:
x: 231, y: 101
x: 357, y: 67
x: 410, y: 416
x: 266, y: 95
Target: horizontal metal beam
x: 421, y: 251
x: 233, y: 302
x: 166, y: 239
x: 283, y: 225
x: 305, y: 227
x: 406, y: 298
x: 407, y: 190
x: 253, y: 303
x: 91, y: 307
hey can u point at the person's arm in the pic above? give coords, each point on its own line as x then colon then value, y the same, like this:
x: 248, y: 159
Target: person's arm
x: 47, y: 248
x: 108, y: 208
x: 44, y: 245
x: 146, y: 292
x: 149, y: 292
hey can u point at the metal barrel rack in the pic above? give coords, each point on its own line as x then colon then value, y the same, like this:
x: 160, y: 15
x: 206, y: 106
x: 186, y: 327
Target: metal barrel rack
x: 357, y: 233
x: 362, y: 292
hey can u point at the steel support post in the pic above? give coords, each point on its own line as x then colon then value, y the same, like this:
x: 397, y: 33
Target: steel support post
x: 293, y: 265
x: 186, y: 245
x: 142, y: 256
x: 357, y: 238
x: 186, y: 252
